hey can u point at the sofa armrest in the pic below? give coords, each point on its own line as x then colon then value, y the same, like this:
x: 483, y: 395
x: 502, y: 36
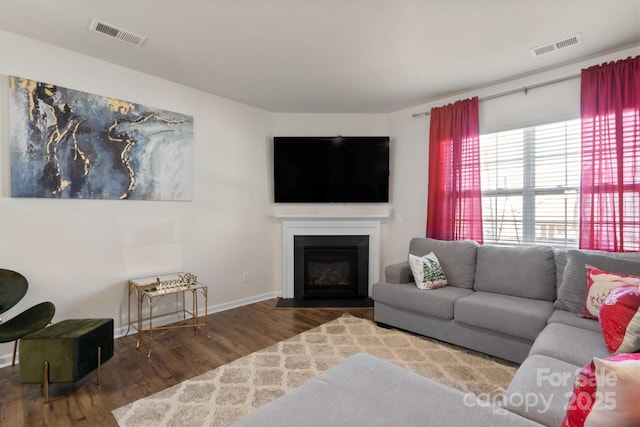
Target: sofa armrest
x: 398, y: 273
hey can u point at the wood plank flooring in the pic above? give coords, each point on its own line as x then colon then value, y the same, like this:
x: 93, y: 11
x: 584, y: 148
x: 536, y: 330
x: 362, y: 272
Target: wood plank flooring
x: 177, y: 356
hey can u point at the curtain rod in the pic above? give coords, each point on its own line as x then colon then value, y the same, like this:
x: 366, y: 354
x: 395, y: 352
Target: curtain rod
x: 524, y: 89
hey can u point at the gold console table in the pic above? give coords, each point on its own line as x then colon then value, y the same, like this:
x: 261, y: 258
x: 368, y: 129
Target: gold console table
x: 152, y: 289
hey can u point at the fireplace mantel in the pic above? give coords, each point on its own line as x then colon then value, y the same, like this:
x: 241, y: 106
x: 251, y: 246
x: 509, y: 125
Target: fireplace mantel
x: 323, y: 226
x: 331, y: 211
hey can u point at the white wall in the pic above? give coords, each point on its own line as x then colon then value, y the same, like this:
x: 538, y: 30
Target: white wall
x: 80, y: 253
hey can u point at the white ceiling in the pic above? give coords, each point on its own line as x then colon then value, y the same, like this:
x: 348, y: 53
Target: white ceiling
x: 336, y: 56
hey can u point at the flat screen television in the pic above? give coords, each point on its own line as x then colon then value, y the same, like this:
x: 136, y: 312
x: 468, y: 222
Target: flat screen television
x: 345, y: 169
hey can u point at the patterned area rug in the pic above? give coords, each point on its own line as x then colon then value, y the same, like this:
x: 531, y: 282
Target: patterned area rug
x: 225, y: 394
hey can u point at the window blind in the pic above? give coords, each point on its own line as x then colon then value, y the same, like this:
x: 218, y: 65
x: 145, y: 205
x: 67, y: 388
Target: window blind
x: 530, y: 184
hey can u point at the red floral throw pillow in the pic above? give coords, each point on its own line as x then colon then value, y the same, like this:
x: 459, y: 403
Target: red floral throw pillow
x: 599, y: 284
x: 620, y: 320
x: 606, y: 393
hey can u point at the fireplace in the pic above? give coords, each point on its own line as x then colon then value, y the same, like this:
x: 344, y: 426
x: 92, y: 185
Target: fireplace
x: 331, y: 267
x: 313, y: 225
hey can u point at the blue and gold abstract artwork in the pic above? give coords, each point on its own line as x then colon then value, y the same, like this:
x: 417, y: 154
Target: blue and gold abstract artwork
x: 75, y: 145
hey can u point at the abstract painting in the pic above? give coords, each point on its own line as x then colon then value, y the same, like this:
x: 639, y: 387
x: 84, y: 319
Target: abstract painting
x: 76, y: 145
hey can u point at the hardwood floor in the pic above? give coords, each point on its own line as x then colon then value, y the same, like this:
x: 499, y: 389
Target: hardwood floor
x: 177, y: 356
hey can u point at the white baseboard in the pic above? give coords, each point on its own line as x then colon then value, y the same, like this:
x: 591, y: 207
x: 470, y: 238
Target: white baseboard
x: 5, y: 359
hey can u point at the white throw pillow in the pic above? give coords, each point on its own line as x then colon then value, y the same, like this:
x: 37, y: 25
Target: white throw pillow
x: 606, y: 393
x: 427, y: 271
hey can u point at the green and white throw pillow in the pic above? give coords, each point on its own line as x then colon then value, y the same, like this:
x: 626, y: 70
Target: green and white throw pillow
x: 427, y: 271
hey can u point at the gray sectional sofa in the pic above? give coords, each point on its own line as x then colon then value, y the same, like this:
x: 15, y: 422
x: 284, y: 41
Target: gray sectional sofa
x: 497, y: 302
x: 516, y: 303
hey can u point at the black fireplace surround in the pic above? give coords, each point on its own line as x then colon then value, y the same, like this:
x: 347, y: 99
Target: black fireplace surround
x: 331, y: 267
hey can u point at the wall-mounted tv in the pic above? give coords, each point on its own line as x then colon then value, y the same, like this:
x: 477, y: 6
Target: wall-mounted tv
x: 345, y: 169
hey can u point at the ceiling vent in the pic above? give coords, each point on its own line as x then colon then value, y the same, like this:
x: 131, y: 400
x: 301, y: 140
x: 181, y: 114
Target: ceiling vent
x: 117, y: 33
x: 557, y: 45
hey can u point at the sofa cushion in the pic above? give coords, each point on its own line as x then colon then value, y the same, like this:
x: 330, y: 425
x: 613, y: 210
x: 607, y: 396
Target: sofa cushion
x: 520, y: 317
x: 572, y: 292
x: 568, y: 318
x: 570, y: 344
x: 457, y: 258
x: 435, y: 302
x: 561, y: 259
x: 527, y: 272
x: 560, y: 256
x: 539, y: 390
x: 363, y: 390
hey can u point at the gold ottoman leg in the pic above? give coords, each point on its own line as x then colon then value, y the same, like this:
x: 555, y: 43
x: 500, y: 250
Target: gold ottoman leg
x: 46, y: 382
x: 99, y: 364
x: 13, y: 358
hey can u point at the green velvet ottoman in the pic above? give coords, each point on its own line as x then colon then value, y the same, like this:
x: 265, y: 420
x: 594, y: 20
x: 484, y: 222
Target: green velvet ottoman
x: 65, y: 351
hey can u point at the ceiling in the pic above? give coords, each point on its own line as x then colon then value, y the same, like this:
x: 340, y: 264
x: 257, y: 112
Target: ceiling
x: 332, y: 56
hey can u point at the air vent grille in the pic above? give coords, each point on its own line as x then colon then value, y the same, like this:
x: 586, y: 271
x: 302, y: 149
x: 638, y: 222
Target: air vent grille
x: 544, y: 49
x: 117, y: 33
x: 557, y: 45
x: 567, y: 42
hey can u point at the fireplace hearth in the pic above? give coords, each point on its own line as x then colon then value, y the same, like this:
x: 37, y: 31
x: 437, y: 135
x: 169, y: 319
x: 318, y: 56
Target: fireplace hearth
x: 331, y: 267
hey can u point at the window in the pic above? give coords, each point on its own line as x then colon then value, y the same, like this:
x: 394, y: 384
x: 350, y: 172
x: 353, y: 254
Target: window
x: 530, y: 183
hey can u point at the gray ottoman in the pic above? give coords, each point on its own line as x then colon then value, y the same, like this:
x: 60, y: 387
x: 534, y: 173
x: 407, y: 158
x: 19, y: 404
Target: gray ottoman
x: 369, y: 392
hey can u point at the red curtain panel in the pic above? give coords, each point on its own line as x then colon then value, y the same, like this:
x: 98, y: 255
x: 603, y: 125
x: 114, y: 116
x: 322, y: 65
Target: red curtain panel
x: 610, y: 182
x: 454, y: 210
